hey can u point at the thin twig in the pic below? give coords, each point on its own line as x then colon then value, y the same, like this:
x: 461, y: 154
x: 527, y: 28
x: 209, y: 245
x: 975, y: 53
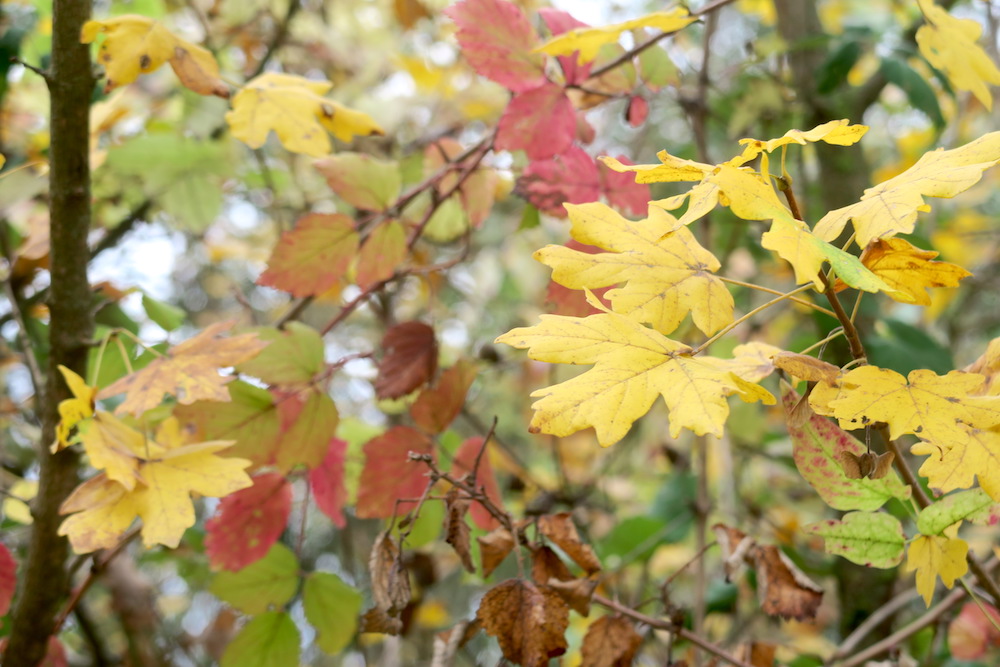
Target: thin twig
x: 40, y: 72
x: 804, y: 302
x: 279, y: 37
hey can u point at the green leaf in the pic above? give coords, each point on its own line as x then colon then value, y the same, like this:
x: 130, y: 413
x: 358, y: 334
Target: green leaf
x: 531, y: 218
x: 972, y: 505
x: 815, y: 447
x: 674, y: 505
x: 633, y: 539
x: 873, y: 539
x: 833, y: 72
x: 904, y: 348
x: 917, y: 90
x: 447, y: 223
x: 168, y: 316
x: 272, y: 580
x: 362, y: 181
x: 295, y: 355
x: 270, y: 640
x: 655, y: 67
x: 332, y: 607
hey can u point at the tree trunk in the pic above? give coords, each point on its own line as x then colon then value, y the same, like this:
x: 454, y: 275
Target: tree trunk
x: 44, y: 579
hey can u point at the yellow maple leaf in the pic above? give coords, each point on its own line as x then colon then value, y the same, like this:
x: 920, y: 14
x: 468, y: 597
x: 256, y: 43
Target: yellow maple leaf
x: 188, y: 371
x: 938, y: 408
x: 588, y: 41
x: 102, y: 509
x: 909, y: 269
x: 949, y: 44
x: 74, y: 410
x: 956, y: 467
x: 632, y: 365
x: 116, y: 448
x: 891, y: 207
x: 935, y: 556
x: 666, y: 272
x: 135, y: 45
x: 295, y: 109
x: 670, y: 170
x: 835, y: 132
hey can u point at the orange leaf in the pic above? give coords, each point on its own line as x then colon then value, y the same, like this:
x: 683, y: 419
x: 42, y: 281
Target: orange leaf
x: 389, y: 474
x: 311, y: 258
x: 188, y: 371
x: 611, y: 641
x: 437, y: 406
x: 909, y: 270
x: 529, y: 621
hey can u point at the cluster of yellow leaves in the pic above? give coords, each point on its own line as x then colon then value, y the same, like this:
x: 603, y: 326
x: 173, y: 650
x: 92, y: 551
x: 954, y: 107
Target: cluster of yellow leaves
x: 950, y: 45
x: 588, y: 41
x: 291, y: 106
x: 150, y: 477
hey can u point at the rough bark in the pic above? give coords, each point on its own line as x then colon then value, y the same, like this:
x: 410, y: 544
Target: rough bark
x: 44, y: 578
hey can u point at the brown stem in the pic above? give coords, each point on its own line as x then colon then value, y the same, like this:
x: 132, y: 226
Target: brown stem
x: 44, y: 581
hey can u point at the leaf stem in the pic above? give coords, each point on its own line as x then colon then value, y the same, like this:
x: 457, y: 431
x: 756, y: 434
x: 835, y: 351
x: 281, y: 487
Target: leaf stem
x: 761, y: 288
x: 735, y: 323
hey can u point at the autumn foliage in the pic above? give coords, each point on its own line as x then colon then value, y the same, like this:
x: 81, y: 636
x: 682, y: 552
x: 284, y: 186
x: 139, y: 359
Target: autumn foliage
x: 322, y: 432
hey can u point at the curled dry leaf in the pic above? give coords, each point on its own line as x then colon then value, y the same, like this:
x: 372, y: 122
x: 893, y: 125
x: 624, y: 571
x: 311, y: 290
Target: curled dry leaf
x: 409, y: 361
x: 611, y: 641
x: 735, y: 545
x: 377, y: 620
x: 577, y: 592
x: 528, y: 621
x: 494, y: 547
x: 455, y: 528
x: 447, y: 643
x: 806, y: 368
x: 560, y: 529
x: 546, y: 566
x: 783, y: 588
x: 758, y: 654
x: 867, y: 465
x: 390, y: 580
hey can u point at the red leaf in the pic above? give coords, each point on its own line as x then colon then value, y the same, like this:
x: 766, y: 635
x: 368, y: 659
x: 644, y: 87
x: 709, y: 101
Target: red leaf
x: 382, y: 253
x: 410, y: 359
x: 559, y: 22
x: 436, y: 407
x: 248, y: 522
x: 311, y: 258
x: 389, y: 474
x: 621, y: 190
x: 573, y: 302
x: 327, y: 483
x: 637, y: 111
x: 572, y: 177
x: 971, y: 633
x: 8, y: 579
x: 55, y: 654
x: 541, y: 122
x: 497, y: 39
x: 307, y: 425
x: 465, y: 459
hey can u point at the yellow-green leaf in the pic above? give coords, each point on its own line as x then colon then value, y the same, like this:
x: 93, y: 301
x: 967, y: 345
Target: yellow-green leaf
x: 936, y: 556
x: 632, y: 366
x: 588, y: 41
x: 295, y: 109
x: 950, y: 45
x: 666, y: 272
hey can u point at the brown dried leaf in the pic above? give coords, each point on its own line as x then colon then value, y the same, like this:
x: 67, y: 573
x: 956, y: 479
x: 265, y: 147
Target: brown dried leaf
x: 577, y: 593
x: 546, y: 565
x: 611, y: 641
x: 560, y: 529
x: 758, y: 654
x: 447, y: 643
x: 410, y: 359
x: 868, y: 464
x: 784, y: 590
x: 528, y: 621
x: 494, y: 547
x: 806, y: 368
x: 736, y: 546
x: 390, y: 580
x: 377, y: 620
x: 456, y: 529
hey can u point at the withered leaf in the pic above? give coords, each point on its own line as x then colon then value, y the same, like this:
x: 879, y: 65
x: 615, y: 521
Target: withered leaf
x: 390, y: 580
x: 494, y: 547
x: 806, y: 368
x: 611, y: 641
x: 546, y: 565
x: 560, y: 529
x: 576, y: 592
x: 528, y: 621
x: 784, y: 589
x: 758, y: 654
x: 447, y: 643
x: 409, y: 361
x: 455, y: 528
x: 868, y: 464
x: 736, y: 546
x: 377, y: 620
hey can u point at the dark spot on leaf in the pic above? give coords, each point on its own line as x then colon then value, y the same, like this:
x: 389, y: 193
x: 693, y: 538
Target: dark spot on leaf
x: 144, y: 61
